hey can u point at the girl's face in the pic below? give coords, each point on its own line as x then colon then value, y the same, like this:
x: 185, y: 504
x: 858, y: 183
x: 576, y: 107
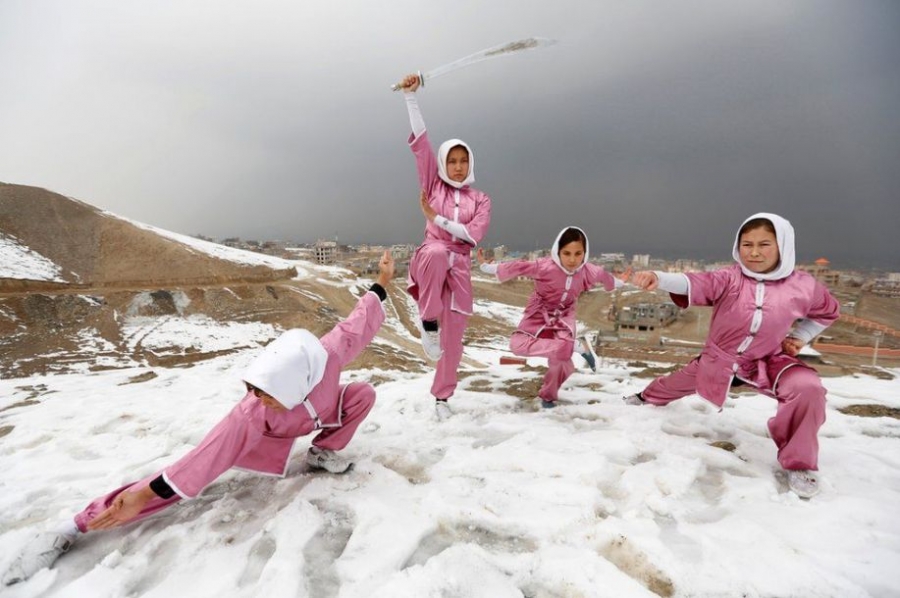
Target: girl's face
x: 571, y: 255
x: 758, y: 249
x: 458, y: 164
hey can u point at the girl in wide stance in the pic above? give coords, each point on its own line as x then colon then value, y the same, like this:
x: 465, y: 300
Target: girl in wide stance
x: 548, y: 327
x: 293, y: 389
x: 457, y: 218
x: 764, y: 311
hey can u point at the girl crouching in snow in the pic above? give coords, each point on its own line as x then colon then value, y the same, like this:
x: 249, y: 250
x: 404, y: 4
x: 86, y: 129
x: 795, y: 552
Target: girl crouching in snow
x: 548, y: 327
x: 293, y: 389
x: 764, y: 311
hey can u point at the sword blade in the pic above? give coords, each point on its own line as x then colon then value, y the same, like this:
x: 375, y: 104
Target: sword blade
x: 486, y: 54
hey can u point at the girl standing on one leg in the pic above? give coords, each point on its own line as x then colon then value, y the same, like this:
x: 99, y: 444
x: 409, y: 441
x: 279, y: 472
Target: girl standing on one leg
x: 753, y: 339
x: 457, y: 218
x: 548, y: 326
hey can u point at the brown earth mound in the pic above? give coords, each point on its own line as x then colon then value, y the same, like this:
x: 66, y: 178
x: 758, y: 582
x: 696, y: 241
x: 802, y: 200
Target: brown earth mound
x: 96, y: 249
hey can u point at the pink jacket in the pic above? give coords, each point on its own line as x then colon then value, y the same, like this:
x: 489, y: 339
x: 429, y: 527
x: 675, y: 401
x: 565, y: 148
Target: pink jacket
x: 474, y: 211
x: 269, y: 452
x: 732, y: 347
x: 552, y: 304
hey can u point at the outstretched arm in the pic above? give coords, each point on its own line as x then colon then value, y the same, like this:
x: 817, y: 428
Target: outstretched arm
x: 649, y: 280
x: 485, y: 265
x: 409, y: 85
x: 350, y: 336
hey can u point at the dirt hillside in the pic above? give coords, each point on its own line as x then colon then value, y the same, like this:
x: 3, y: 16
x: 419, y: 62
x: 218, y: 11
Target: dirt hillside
x: 94, y: 248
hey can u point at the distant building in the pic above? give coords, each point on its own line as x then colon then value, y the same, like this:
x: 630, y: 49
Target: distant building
x: 641, y: 260
x: 325, y: 252
x: 500, y: 252
x: 646, y: 316
x: 822, y: 271
x: 686, y: 266
x: 611, y: 258
x: 401, y: 252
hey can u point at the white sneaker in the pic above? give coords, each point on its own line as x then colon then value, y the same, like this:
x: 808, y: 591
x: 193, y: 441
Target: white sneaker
x: 634, y: 399
x: 328, y: 460
x: 431, y: 342
x: 803, y: 482
x: 41, y: 552
x: 442, y: 410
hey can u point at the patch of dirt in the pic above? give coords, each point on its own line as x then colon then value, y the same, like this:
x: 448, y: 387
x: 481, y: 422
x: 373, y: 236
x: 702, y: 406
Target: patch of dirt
x: 480, y: 385
x: 146, y: 376
x: 724, y: 445
x: 871, y: 411
x: 634, y: 563
x: 649, y: 371
x: 524, y: 388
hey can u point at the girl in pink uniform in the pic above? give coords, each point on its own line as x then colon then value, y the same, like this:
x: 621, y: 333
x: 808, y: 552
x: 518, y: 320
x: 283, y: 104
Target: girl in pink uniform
x: 548, y: 327
x: 764, y: 311
x: 293, y: 389
x: 457, y: 218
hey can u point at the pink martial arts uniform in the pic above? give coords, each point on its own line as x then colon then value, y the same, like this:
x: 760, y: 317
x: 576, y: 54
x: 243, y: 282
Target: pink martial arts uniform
x: 440, y: 269
x: 752, y: 315
x: 257, y: 438
x: 548, y: 327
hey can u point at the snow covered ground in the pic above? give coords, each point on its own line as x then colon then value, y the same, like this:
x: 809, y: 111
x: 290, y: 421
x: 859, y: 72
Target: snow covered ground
x: 593, y: 498
x: 19, y: 261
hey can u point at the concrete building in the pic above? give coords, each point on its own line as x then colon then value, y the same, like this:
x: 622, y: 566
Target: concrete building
x: 646, y: 316
x: 325, y: 252
x: 640, y: 260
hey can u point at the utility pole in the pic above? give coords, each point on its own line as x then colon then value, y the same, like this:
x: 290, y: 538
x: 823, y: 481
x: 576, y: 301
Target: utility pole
x: 877, y: 334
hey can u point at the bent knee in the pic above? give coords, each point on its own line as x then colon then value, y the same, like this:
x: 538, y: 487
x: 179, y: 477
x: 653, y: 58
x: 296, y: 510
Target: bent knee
x: 800, y: 383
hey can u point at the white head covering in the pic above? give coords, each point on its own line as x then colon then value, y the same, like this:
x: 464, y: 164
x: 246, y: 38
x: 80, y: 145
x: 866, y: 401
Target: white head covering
x: 784, y: 234
x: 289, y: 367
x: 442, y: 163
x: 554, y: 252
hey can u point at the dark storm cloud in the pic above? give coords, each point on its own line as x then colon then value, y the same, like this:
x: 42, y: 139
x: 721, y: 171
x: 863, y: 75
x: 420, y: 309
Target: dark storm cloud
x: 656, y: 126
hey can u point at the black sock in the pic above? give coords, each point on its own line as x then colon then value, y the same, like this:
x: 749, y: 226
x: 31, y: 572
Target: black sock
x: 430, y: 325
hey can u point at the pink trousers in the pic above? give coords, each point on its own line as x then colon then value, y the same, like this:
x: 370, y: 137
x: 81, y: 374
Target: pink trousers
x: 558, y: 351
x: 794, y: 428
x: 230, y: 442
x: 435, y: 302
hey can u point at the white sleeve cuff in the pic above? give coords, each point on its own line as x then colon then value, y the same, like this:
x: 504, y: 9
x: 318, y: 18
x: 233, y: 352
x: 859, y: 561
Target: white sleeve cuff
x: 454, y: 228
x: 489, y: 268
x: 415, y: 115
x: 672, y: 282
x: 806, y: 330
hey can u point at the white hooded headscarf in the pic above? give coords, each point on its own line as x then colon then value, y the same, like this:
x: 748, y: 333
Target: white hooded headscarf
x: 784, y: 234
x: 554, y: 252
x: 443, y: 151
x: 289, y: 367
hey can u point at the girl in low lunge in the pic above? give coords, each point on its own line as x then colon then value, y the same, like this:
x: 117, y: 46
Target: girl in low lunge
x: 764, y: 311
x: 457, y: 218
x: 292, y: 389
x: 548, y: 327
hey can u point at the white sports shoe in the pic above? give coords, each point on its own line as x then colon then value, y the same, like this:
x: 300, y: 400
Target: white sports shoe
x: 328, y: 460
x: 803, y: 482
x: 442, y: 410
x: 634, y: 399
x: 41, y: 552
x: 431, y: 342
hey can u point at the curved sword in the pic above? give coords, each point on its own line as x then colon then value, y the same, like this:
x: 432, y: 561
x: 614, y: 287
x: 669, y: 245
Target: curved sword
x: 501, y: 50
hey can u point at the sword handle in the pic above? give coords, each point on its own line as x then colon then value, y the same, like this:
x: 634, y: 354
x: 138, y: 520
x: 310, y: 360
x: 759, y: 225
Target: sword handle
x: 399, y: 86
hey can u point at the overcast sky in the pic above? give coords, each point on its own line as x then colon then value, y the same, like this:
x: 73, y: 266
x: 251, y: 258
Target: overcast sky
x: 657, y: 126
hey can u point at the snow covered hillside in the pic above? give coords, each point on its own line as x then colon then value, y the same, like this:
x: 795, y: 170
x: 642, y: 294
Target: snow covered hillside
x: 594, y: 498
